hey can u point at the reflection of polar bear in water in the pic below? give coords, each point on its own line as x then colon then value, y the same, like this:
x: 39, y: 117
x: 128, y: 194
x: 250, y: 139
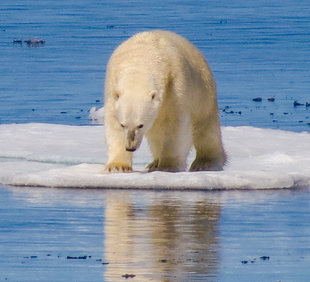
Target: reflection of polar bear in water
x: 159, y: 85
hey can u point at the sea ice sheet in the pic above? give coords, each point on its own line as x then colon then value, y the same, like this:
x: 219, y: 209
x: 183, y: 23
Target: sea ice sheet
x: 53, y: 155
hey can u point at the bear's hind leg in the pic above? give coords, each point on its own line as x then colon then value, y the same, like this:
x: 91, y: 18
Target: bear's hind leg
x: 210, y: 154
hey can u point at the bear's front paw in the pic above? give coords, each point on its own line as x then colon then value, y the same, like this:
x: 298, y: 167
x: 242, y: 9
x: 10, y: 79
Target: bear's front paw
x: 117, y: 167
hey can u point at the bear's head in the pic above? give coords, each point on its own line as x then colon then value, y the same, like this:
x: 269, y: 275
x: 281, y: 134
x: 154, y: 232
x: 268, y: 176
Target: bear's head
x: 136, y: 112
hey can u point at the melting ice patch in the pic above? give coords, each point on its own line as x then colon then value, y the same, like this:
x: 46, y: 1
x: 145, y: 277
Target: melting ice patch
x: 73, y: 156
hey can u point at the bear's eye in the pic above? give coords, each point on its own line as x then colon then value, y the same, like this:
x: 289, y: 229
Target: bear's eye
x: 140, y: 126
x: 122, y: 125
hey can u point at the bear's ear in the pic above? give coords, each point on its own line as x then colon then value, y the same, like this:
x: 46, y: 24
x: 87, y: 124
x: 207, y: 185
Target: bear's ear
x: 116, y: 95
x: 154, y: 95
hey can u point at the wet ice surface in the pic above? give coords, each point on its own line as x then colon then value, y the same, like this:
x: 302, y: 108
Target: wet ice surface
x: 73, y: 156
x: 255, y: 49
x: 101, y: 235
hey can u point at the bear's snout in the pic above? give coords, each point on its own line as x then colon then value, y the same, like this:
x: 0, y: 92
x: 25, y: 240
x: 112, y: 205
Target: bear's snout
x: 131, y: 135
x: 132, y: 140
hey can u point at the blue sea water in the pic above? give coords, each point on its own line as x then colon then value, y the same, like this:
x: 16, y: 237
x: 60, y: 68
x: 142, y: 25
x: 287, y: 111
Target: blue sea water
x: 255, y: 49
x: 102, y: 235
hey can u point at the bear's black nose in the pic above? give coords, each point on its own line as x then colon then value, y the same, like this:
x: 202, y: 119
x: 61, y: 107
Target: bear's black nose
x: 130, y: 149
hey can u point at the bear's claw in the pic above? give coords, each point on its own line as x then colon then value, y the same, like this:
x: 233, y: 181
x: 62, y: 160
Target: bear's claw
x: 117, y: 167
x: 152, y: 166
x: 206, y: 165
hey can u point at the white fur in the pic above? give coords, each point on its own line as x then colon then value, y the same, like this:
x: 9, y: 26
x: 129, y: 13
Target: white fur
x: 160, y: 86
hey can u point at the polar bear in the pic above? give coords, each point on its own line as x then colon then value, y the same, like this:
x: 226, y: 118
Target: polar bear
x: 159, y: 85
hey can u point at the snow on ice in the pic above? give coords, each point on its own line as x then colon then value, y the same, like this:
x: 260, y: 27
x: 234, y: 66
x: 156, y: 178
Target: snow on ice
x: 73, y: 156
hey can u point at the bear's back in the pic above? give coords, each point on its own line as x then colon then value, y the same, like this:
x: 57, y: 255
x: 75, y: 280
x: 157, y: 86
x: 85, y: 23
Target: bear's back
x: 162, y: 47
x: 167, y: 58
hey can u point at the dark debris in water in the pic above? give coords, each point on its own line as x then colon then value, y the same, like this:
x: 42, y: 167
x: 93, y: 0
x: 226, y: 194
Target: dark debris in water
x: 32, y: 42
x: 299, y: 110
x: 68, y: 257
x: 297, y: 104
x: 227, y: 110
x: 31, y: 257
x: 257, y: 99
x: 126, y: 276
x: 80, y: 257
x: 18, y: 41
x: 264, y: 258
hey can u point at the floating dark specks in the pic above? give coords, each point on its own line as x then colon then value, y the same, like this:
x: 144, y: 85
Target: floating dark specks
x: 18, y: 41
x: 265, y: 258
x: 297, y: 104
x: 254, y: 260
x: 128, y: 276
x: 272, y: 99
x: 35, y: 42
x: 32, y: 42
x: 80, y: 257
x: 227, y: 111
x: 257, y: 99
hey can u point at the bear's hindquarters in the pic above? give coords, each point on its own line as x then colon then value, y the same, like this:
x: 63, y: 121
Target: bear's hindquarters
x: 206, y: 133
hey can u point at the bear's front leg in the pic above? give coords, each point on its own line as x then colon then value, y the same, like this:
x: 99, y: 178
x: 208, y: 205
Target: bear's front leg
x: 169, y: 154
x: 119, y: 160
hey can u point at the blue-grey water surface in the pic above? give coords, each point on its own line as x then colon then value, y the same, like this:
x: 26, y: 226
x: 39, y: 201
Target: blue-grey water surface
x: 255, y: 49
x: 101, y: 235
